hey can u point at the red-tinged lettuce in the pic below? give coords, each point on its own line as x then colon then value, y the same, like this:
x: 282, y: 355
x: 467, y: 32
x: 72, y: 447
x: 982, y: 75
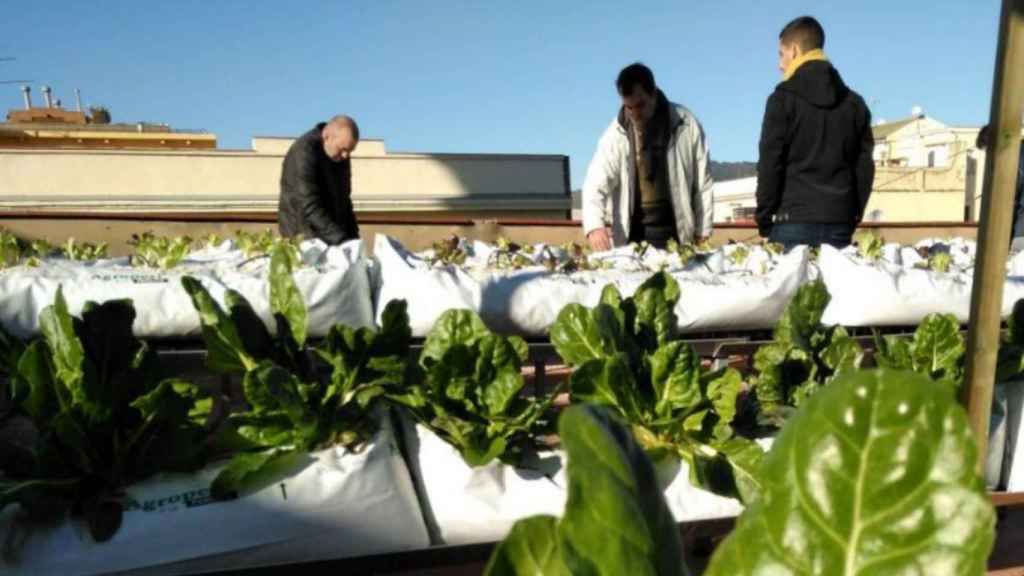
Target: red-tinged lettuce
x: 94, y: 417
x: 467, y: 390
x: 626, y: 358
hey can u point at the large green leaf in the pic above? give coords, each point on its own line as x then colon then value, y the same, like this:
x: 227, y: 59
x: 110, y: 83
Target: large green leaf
x: 655, y: 301
x: 675, y: 377
x: 939, y: 348
x: 224, y: 347
x: 286, y: 300
x: 530, y: 549
x: 580, y: 335
x: 112, y: 352
x: 873, y: 476
x: 35, y: 390
x: 67, y: 354
x: 247, y: 473
x: 616, y: 520
x: 269, y: 387
x: 802, y: 315
x: 608, y: 382
x: 453, y: 327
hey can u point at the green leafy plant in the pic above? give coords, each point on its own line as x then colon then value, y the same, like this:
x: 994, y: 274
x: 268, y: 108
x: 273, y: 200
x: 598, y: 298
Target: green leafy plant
x: 804, y: 355
x: 937, y: 262
x: 10, y: 249
x: 936, y: 350
x: 159, y: 252
x: 448, y: 252
x: 263, y: 244
x: 869, y: 245
x: 626, y: 359
x: 739, y: 254
x: 467, y: 390
x: 102, y: 418
x: 690, y: 252
x: 510, y: 256
x: 211, y: 240
x: 615, y: 521
x: 83, y: 251
x: 873, y: 475
x: 295, y: 405
x: 574, y: 258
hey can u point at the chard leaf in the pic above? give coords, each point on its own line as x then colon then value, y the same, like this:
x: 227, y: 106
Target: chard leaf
x: 499, y: 393
x: 252, y: 333
x: 452, y: 328
x: 616, y: 520
x: 802, y: 316
x: 248, y: 473
x: 285, y: 298
x: 723, y: 390
x: 68, y: 356
x: 655, y: 301
x: 873, y: 475
x: 35, y: 390
x: 580, y: 335
x: 530, y: 549
x: 224, y: 347
x: 609, y: 383
x: 675, y: 376
x: 269, y: 387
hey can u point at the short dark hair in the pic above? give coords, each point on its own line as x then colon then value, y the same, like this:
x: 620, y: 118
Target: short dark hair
x: 806, y: 32
x: 982, y: 141
x: 634, y: 75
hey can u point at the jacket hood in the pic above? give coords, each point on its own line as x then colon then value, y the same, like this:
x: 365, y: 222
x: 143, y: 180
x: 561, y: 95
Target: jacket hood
x: 818, y: 83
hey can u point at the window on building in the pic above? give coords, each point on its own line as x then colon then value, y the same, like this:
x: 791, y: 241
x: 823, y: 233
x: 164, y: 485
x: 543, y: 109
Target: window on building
x: 931, y: 158
x: 741, y: 213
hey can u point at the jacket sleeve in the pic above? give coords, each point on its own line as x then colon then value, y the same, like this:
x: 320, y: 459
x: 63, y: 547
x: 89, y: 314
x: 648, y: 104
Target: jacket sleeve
x: 702, y: 195
x: 865, y: 168
x: 771, y: 162
x: 314, y: 213
x: 601, y: 182
x: 351, y: 225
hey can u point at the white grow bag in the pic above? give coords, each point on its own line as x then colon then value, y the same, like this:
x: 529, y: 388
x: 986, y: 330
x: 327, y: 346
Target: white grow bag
x: 340, y: 505
x: 526, y: 302
x: 890, y: 294
x: 335, y: 285
x: 467, y: 505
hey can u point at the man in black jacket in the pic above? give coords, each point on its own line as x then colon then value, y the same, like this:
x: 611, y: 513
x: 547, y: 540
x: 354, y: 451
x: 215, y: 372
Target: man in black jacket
x: 316, y: 183
x: 815, y: 170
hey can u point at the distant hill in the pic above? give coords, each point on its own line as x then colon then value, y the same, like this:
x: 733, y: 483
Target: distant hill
x: 724, y: 171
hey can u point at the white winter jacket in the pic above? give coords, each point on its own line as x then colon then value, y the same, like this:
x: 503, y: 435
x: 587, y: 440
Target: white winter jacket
x: 608, y: 187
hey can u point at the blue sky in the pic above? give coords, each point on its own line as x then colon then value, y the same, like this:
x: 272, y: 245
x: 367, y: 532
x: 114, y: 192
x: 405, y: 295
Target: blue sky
x: 522, y: 77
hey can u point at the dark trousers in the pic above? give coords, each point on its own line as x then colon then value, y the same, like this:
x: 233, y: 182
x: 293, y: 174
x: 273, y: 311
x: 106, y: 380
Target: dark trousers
x: 791, y: 234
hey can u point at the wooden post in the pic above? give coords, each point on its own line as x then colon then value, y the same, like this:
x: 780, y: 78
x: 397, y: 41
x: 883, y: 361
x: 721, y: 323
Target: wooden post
x: 983, y: 335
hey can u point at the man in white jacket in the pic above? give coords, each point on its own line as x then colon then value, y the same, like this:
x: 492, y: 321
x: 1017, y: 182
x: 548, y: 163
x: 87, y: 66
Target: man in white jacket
x: 649, y: 179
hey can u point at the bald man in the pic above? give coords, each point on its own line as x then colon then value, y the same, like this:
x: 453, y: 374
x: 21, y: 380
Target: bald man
x: 316, y: 183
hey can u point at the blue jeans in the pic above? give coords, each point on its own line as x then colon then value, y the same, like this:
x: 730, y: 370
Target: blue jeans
x: 791, y: 234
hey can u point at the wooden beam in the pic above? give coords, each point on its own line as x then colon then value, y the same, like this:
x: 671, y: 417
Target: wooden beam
x: 1000, y: 183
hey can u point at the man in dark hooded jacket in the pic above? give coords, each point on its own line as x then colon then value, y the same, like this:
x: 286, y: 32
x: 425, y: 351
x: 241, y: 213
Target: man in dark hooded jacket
x: 316, y: 183
x: 815, y: 170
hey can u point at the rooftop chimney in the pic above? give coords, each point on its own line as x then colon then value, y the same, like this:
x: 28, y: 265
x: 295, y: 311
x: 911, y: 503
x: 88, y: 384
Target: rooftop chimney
x: 78, y: 100
x: 47, y: 96
x: 26, y: 91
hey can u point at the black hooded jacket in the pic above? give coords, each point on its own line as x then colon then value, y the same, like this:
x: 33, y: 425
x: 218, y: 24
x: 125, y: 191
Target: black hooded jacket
x: 815, y: 162
x: 316, y: 193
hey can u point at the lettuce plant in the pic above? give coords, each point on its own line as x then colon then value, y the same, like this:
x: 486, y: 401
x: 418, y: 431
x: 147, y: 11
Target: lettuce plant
x: 467, y: 389
x: 873, y: 475
x: 804, y: 355
x: 158, y: 251
x: 101, y: 418
x: 302, y: 398
x: 937, y: 350
x: 626, y: 359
